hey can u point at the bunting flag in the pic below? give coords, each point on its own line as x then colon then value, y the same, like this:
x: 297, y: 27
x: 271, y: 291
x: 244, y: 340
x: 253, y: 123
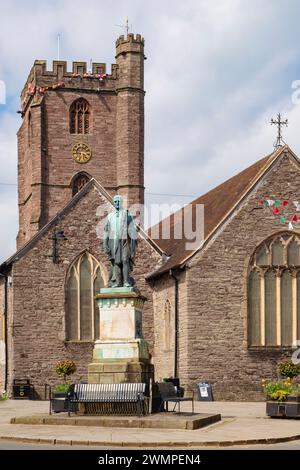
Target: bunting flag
x: 99, y: 76
x: 297, y: 205
x: 279, y: 210
x: 33, y: 89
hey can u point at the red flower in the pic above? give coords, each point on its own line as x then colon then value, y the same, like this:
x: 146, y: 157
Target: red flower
x: 275, y: 211
x: 285, y: 203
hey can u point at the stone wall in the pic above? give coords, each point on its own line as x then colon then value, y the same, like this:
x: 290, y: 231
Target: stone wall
x: 2, y: 334
x: 217, y: 296
x: 163, y: 291
x: 164, y: 358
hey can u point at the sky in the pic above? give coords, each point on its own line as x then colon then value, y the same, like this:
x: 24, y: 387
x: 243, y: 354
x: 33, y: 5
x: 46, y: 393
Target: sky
x: 216, y: 73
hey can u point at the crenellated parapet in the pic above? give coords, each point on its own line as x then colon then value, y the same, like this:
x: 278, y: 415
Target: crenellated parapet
x: 59, y: 70
x: 130, y: 43
x: 133, y: 38
x: 127, y: 73
x: 41, y: 79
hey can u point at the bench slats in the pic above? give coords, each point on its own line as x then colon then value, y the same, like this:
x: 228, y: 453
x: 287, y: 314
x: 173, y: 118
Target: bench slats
x: 112, y: 393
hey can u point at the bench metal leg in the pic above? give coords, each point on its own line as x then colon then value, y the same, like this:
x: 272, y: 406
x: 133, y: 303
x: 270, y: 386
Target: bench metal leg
x: 162, y: 406
x: 139, y: 407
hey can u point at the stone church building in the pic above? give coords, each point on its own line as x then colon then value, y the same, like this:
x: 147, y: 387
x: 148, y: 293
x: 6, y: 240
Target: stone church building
x: 226, y: 312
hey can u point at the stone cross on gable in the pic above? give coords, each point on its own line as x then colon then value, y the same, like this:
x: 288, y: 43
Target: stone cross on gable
x: 279, y: 123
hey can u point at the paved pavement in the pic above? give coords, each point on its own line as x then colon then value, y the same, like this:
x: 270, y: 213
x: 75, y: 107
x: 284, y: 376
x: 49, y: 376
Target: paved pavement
x: 8, y: 445
x: 242, y: 424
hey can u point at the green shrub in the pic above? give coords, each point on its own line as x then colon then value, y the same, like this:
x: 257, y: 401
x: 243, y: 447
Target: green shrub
x: 61, y: 388
x: 3, y: 396
x: 289, y: 369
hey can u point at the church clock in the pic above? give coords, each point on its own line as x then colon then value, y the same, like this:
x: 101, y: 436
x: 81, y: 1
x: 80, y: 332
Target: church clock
x: 81, y: 153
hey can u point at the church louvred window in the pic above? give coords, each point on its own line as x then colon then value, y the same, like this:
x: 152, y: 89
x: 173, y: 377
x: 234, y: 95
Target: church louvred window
x: 80, y: 117
x: 79, y: 182
x: 274, y: 292
x: 84, y: 280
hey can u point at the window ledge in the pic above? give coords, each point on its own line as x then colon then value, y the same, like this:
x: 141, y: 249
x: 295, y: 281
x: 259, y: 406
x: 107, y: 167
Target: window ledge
x: 82, y: 135
x: 81, y: 341
x: 270, y: 348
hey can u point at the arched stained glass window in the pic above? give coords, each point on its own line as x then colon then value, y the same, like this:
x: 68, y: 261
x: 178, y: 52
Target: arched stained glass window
x: 84, y: 279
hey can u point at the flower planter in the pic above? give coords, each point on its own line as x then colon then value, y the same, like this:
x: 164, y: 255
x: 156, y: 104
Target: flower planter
x: 288, y: 408
x: 59, y: 402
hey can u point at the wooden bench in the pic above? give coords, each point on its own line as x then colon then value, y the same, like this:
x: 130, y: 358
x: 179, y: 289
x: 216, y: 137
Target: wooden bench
x: 124, y: 398
x: 168, y: 393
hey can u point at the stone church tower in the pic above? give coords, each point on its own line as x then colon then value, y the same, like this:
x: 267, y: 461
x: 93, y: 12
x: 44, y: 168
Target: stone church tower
x: 80, y: 125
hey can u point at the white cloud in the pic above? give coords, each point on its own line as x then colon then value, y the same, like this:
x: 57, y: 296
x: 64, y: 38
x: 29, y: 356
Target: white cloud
x: 216, y: 73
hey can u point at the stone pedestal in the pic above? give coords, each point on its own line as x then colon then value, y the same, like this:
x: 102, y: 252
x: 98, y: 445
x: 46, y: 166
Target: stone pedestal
x: 121, y: 353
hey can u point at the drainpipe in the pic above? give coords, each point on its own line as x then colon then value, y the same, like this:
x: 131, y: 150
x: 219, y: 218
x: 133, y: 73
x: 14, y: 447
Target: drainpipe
x: 171, y: 272
x: 5, y: 330
x: 6, y: 333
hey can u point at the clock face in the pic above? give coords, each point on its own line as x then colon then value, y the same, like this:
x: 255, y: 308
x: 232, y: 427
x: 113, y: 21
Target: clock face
x: 81, y: 153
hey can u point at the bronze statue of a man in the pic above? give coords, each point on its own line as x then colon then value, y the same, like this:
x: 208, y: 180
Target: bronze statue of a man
x: 120, y: 242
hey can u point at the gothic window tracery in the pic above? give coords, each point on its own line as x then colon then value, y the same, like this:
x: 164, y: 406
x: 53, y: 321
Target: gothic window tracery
x: 80, y: 117
x: 84, y: 279
x: 274, y: 292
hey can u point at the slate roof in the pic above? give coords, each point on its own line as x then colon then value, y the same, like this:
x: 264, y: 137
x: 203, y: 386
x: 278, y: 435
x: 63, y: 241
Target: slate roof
x: 218, y: 205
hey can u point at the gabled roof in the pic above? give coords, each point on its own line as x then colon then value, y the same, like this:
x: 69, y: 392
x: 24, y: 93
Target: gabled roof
x: 219, y: 203
x: 30, y: 244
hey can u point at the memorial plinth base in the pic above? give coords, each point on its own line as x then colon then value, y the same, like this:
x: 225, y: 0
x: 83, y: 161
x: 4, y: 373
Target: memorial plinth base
x: 119, y: 372
x: 121, y: 353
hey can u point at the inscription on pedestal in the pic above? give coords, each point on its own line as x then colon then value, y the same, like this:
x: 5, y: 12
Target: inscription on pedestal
x: 120, y: 319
